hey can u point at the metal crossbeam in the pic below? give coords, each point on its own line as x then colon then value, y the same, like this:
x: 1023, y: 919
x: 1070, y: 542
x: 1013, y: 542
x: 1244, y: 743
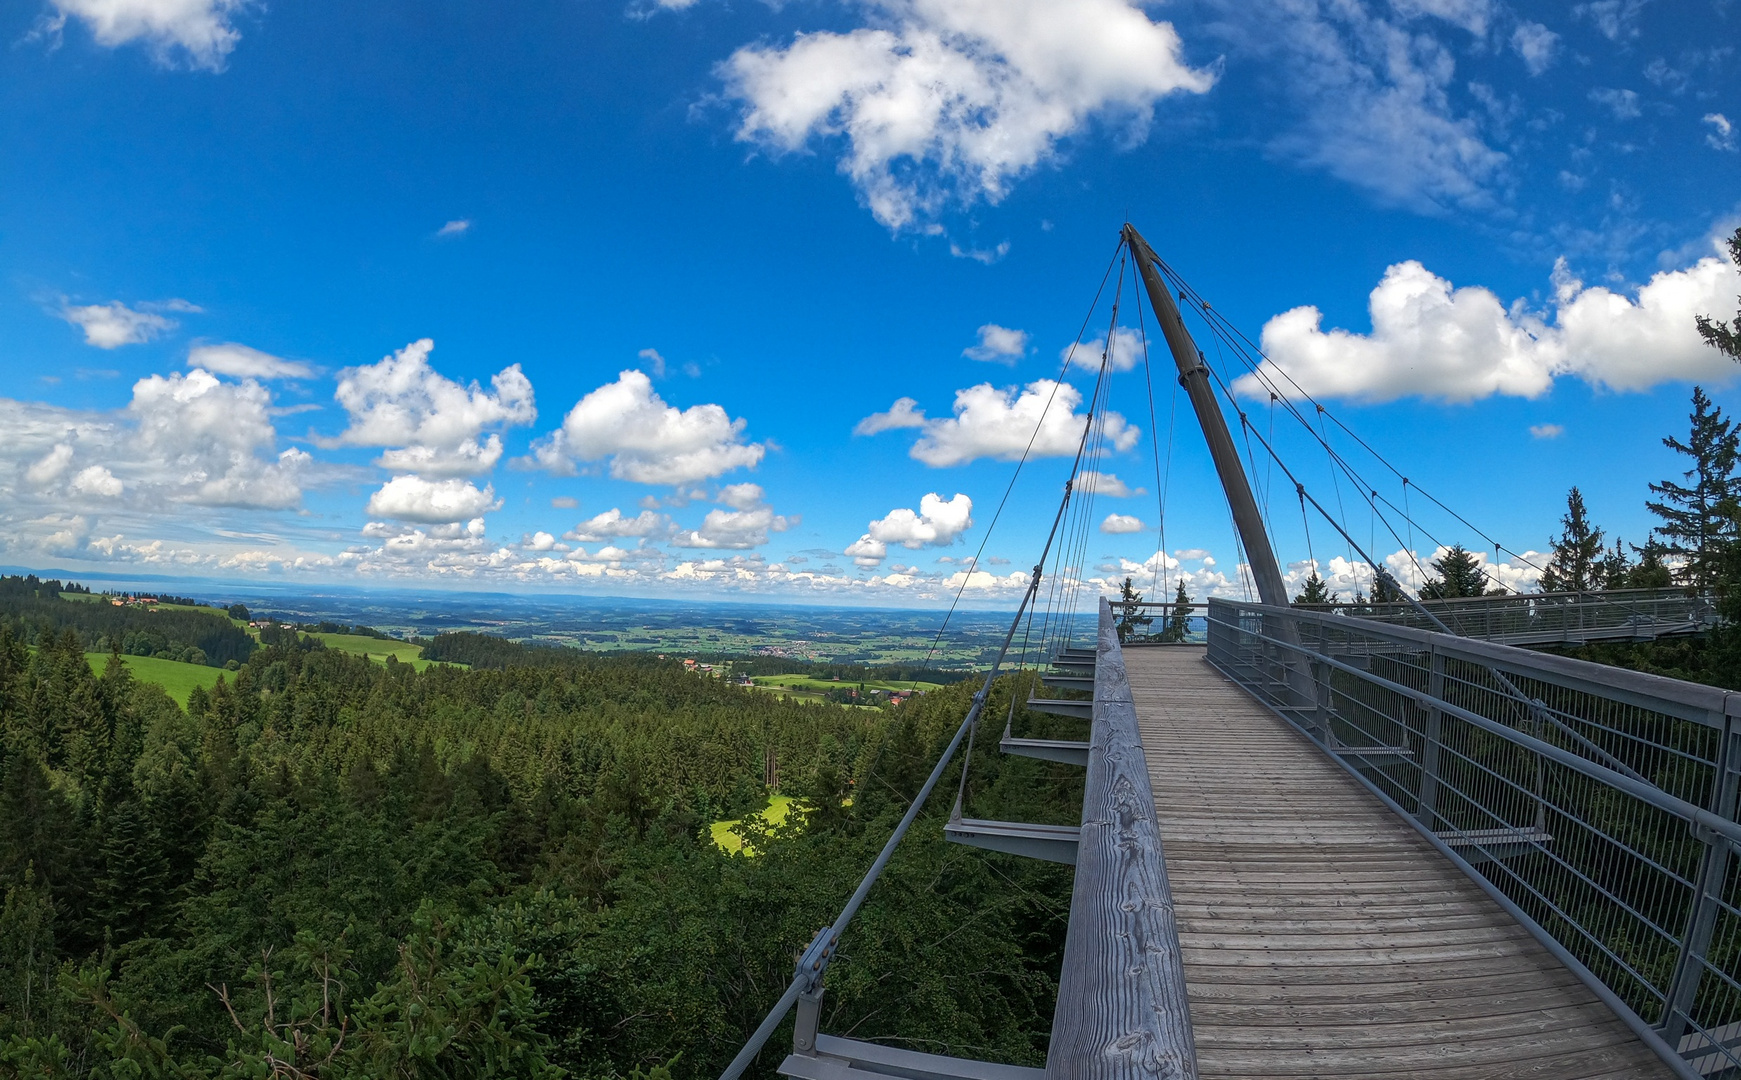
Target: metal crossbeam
x: 1053, y: 843
x: 1068, y: 751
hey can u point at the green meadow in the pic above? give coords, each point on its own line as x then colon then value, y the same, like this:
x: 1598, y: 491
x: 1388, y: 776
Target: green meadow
x: 376, y: 649
x: 176, y: 678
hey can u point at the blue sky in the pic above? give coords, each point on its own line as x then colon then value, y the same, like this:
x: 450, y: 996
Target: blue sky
x: 594, y: 297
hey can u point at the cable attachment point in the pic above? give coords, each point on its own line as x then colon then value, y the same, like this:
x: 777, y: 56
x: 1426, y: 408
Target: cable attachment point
x: 814, y: 960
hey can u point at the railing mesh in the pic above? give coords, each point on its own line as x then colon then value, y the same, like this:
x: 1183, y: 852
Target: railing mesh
x: 1599, y: 801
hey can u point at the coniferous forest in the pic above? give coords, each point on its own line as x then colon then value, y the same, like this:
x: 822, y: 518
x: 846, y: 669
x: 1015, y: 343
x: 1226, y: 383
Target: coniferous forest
x: 331, y: 867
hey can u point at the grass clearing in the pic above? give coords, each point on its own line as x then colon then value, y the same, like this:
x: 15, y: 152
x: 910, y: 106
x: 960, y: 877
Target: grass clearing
x: 775, y: 813
x: 812, y: 684
x: 176, y: 678
x: 377, y: 649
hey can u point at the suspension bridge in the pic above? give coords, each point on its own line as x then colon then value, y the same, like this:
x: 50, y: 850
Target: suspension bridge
x: 1373, y: 839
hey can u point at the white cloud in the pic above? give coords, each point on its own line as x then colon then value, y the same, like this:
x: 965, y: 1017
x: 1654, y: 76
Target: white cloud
x: 434, y: 424
x: 50, y: 467
x: 998, y: 343
x: 1622, y: 103
x: 112, y: 325
x: 1126, y: 353
x: 1089, y: 480
x: 945, y: 102
x: 1000, y: 424
x: 1614, y: 19
x: 745, y: 526
x: 904, y: 413
x: 1116, y: 524
x: 457, y: 227
x: 740, y: 496
x: 1546, y: 431
x: 199, y: 31
x: 1373, y: 99
x: 1536, y: 44
x: 183, y: 439
x: 612, y: 525
x: 655, y: 360
x: 1722, y: 135
x: 541, y: 541
x: 564, y: 502
x: 1472, y: 15
x: 646, y: 440
x: 96, y: 480
x: 243, y: 362
x: 206, y: 436
x: 936, y: 524
x: 412, y: 498
x: 1461, y: 344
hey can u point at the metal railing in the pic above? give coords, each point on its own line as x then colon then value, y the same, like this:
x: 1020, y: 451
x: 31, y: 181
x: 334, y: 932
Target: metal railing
x: 1598, y: 805
x: 1570, y: 618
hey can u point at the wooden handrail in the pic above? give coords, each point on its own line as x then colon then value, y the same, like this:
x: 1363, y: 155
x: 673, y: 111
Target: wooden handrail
x: 1122, y: 1010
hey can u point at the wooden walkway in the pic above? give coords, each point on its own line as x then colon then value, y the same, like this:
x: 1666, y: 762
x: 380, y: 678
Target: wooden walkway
x: 1322, y: 935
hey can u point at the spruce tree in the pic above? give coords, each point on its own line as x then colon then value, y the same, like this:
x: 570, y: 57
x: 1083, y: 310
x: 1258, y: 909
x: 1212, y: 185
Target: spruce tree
x: 1178, y: 624
x: 1130, y: 612
x: 1651, y: 571
x: 1725, y: 337
x: 1698, y: 521
x: 1459, y: 575
x: 1315, y: 591
x: 1576, y: 566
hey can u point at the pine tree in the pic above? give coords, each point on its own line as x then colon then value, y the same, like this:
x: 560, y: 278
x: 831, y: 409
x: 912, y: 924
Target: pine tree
x: 1130, y: 611
x: 1577, y: 553
x: 1726, y: 338
x: 1651, y: 570
x: 1176, y: 627
x: 1613, y: 568
x: 1699, y: 521
x: 1459, y: 575
x: 1315, y: 591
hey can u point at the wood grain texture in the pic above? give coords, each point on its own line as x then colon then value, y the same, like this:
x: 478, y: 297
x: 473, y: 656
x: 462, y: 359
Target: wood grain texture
x: 1320, y: 935
x: 1122, y: 1010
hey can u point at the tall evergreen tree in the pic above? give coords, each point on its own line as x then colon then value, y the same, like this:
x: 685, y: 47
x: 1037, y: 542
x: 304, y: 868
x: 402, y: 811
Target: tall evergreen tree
x: 1315, y: 591
x: 1698, y: 520
x: 1178, y: 624
x: 1725, y: 337
x: 1459, y: 575
x: 1130, y: 611
x: 1578, y: 555
x: 1651, y: 570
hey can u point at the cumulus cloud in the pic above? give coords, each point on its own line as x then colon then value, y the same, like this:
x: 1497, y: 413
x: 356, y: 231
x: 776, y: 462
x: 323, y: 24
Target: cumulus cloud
x: 746, y: 525
x: 1616, y: 20
x: 1117, y: 524
x: 96, y: 480
x: 1722, y: 133
x: 1090, y: 480
x: 612, y: 525
x: 999, y: 424
x: 1461, y: 344
x: 1125, y: 353
x: 183, y: 439
x: 199, y: 32
x: 998, y: 343
x: 1536, y: 44
x: 245, y: 363
x: 942, y: 102
x: 413, y: 498
x: 212, y: 436
x: 112, y: 325
x: 1546, y: 431
x: 646, y: 440
x: 434, y: 425
x: 936, y: 524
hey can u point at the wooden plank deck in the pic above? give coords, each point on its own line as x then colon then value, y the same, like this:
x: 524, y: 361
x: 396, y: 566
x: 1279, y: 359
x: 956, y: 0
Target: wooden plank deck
x: 1322, y: 935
